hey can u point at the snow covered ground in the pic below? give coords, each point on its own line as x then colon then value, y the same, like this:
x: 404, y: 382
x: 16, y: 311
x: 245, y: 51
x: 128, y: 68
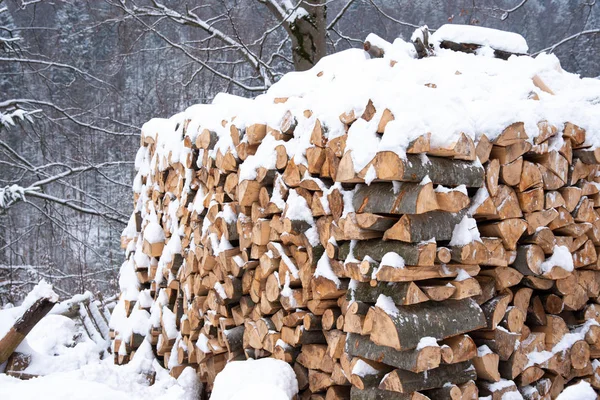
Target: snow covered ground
x: 100, y: 380
x: 73, y: 366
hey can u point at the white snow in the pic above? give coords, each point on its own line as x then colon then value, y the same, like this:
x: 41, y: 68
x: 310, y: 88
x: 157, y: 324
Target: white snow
x: 286, y: 291
x: 297, y: 208
x: 169, y: 323
x: 470, y: 34
x: 465, y: 232
x: 481, y: 196
x: 561, y: 258
x: 567, y: 341
x: 501, y: 384
x: 387, y: 305
x: 362, y: 369
x: 427, y: 341
x: 70, y: 365
x: 42, y: 290
x: 443, y: 189
x: 514, y: 395
x: 153, y: 233
x: 99, y: 380
x: 220, y: 290
x: 392, y: 259
x: 324, y: 270
x: 462, y: 275
x: 483, y: 350
x: 580, y: 391
x: 266, y: 378
x: 371, y: 175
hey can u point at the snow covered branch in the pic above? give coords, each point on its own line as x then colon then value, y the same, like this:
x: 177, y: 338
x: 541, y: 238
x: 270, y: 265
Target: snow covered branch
x: 551, y: 49
x: 12, y: 194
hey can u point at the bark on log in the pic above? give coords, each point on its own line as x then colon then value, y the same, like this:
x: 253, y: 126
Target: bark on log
x: 385, y: 198
x: 379, y: 394
x: 413, y: 254
x: 403, y: 293
x: 417, y: 228
x: 413, y: 360
x: 23, y: 326
x: 405, y: 328
x: 442, y: 171
x: 406, y: 381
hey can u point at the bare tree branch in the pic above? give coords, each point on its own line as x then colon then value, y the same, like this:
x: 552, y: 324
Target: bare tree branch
x: 551, y: 49
x: 340, y: 14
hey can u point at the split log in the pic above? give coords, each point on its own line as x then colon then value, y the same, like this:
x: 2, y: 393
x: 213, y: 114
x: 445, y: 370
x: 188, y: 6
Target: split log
x: 406, y: 381
x: 417, y: 228
x: 404, y: 327
x: 380, y: 394
x: 413, y: 254
x: 404, y: 293
x: 442, y: 171
x: 415, y: 360
x: 403, y: 198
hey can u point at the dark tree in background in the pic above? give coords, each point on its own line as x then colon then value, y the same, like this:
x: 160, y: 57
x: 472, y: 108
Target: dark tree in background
x: 78, y: 78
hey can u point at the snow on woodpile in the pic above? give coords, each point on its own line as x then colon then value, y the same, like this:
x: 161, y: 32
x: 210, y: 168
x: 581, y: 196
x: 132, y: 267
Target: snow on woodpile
x: 373, y: 222
x: 498, y: 40
x: 256, y: 379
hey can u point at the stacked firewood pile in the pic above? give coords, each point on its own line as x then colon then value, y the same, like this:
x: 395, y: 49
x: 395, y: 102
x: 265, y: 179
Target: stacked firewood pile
x: 452, y: 271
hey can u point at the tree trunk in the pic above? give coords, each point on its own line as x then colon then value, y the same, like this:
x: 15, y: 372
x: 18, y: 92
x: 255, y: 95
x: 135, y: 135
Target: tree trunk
x: 308, y: 33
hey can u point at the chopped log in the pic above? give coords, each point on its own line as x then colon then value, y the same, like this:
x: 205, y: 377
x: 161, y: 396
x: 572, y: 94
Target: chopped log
x: 447, y: 392
x: 499, y: 341
x: 401, y: 293
x: 483, y: 149
x: 415, y: 360
x: 442, y: 171
x: 367, y: 373
x: 471, y: 253
x: 498, y: 391
x: 413, y: 254
x: 406, y: 381
x: 404, y: 198
x: 416, y: 228
x: 406, y: 274
x: 529, y: 259
x: 463, y: 348
x: 509, y: 230
x: 486, y: 364
x: 438, y: 292
x: 439, y: 320
x: 375, y: 393
x: 451, y: 200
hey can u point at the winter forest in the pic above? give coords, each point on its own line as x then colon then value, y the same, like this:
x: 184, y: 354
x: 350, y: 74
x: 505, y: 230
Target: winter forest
x: 79, y: 78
